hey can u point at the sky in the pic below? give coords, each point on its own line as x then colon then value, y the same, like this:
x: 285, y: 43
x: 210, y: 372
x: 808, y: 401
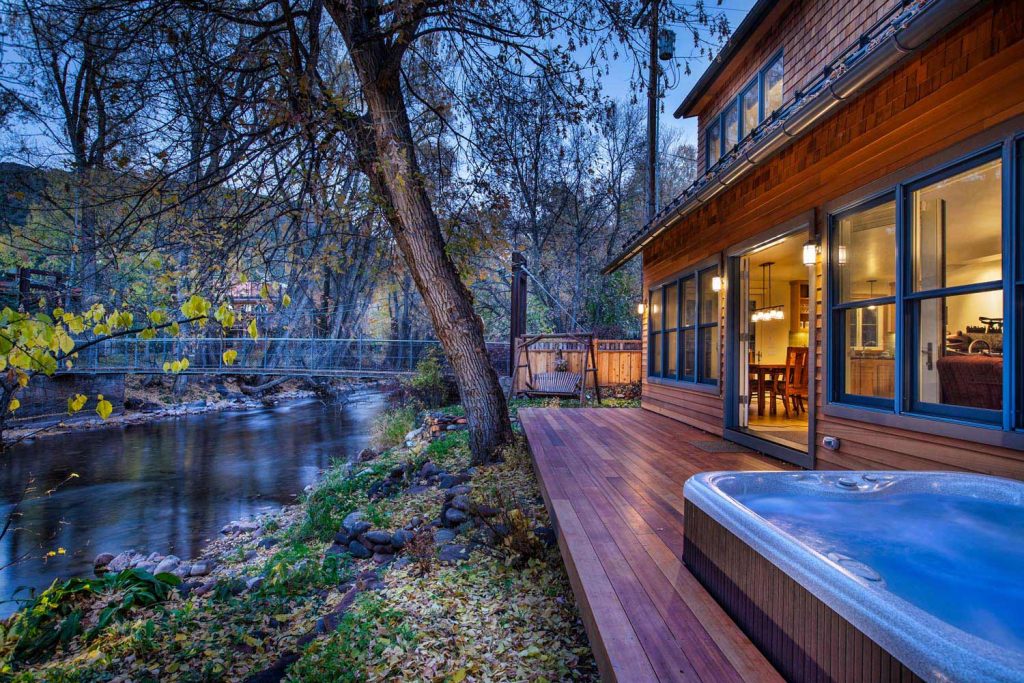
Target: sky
x: 617, y: 83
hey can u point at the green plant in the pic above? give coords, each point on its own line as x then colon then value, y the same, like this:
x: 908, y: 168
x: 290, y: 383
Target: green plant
x: 428, y: 386
x: 391, y: 426
x: 55, y: 616
x: 297, y: 569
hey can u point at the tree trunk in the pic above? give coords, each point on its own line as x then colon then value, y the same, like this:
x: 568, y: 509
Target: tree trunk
x: 392, y: 167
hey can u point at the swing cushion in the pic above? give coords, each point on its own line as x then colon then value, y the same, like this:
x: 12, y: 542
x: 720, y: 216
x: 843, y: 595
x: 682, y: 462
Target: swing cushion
x: 555, y: 384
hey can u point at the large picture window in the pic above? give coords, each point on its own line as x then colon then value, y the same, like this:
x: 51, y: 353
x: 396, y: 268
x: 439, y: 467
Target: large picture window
x: 946, y: 347
x: 683, y: 329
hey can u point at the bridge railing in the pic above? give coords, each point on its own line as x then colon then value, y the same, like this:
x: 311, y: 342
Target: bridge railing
x: 270, y: 356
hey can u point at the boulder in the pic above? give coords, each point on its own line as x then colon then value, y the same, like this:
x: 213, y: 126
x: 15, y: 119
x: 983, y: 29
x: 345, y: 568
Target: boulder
x: 377, y: 537
x: 400, y: 538
x: 442, y: 536
x: 102, y: 560
x: 357, y: 549
x: 454, y: 517
x: 485, y: 511
x: 360, y: 528
x: 366, y: 455
x: 452, y: 553
x: 201, y: 568
x: 167, y: 565
x: 342, y: 538
x: 351, y: 518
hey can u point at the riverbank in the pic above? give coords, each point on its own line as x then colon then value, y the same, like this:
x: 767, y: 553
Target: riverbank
x: 410, y: 564
x: 148, y: 401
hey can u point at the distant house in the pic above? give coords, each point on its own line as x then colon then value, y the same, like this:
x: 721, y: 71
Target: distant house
x: 842, y: 286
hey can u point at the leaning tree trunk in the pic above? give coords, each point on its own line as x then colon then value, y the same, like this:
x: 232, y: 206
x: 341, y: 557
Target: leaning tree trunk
x: 389, y: 159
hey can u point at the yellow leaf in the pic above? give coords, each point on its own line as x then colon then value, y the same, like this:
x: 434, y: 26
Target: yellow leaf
x: 264, y: 291
x: 104, y: 409
x: 458, y: 676
x: 76, y: 403
x: 229, y: 356
x: 253, y: 331
x: 13, y: 405
x: 286, y: 301
x: 180, y: 638
x: 167, y: 366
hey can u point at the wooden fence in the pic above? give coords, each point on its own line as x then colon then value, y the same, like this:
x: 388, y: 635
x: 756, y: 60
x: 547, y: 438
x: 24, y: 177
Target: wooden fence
x: 618, y: 360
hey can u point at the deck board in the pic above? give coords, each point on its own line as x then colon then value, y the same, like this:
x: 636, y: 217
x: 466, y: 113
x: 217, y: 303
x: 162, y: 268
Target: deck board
x: 613, y: 480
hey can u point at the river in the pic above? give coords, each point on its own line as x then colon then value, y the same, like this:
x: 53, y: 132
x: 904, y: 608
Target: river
x: 165, y: 486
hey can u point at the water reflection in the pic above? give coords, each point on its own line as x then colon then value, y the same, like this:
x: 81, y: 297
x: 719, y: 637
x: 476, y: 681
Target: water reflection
x: 166, y: 486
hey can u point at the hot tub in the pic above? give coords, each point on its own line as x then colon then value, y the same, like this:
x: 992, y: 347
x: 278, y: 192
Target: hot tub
x: 866, y: 576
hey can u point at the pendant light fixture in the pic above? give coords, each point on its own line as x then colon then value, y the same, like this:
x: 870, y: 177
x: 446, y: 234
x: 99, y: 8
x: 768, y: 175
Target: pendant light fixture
x: 767, y: 312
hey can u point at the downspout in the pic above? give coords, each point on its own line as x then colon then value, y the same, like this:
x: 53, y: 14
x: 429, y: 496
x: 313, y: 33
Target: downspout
x: 858, y: 71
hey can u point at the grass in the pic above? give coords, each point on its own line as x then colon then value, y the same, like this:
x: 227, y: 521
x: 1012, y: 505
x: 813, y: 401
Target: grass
x: 391, y: 426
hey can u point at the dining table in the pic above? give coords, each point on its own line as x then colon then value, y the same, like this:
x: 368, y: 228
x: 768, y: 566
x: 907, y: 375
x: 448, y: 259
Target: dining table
x: 762, y: 377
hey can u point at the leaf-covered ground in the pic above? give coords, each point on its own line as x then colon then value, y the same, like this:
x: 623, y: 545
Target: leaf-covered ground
x: 504, y: 614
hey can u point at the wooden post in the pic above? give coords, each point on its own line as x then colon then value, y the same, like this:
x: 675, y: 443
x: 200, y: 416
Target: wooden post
x: 517, y: 317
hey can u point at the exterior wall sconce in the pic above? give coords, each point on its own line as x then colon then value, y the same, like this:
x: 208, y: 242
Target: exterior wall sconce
x: 641, y: 308
x: 716, y: 283
x: 810, y: 253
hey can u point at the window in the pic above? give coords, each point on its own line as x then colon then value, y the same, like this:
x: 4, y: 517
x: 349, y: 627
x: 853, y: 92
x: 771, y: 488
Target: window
x: 947, y: 347
x: 714, y: 142
x: 683, y: 329
x: 771, y: 86
x: 742, y: 115
x: 731, y: 126
x: 750, y: 109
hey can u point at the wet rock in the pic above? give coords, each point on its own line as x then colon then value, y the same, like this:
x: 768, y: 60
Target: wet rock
x: 400, y: 538
x: 383, y: 558
x: 377, y: 537
x: 268, y: 542
x: 357, y: 549
x: 167, y: 565
x: 201, y: 568
x: 453, y: 553
x: 366, y: 455
x: 351, y: 519
x: 429, y: 469
x: 102, y: 560
x: 442, y: 536
x: 454, y: 517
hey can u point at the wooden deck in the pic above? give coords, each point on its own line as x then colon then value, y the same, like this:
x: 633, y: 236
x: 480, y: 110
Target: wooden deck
x: 613, y: 482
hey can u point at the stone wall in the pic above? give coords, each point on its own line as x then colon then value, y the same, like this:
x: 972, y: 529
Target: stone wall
x: 48, y: 396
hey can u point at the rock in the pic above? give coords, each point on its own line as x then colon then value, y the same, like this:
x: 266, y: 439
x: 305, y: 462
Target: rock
x: 234, y: 528
x: 150, y: 407
x: 167, y: 565
x: 429, y: 469
x: 485, y: 511
x: 357, y: 549
x: 397, y: 472
x: 442, y: 536
x: 342, y: 538
x: 377, y: 537
x: 460, y: 490
x: 366, y: 455
x: 383, y: 558
x: 453, y: 553
x: 447, y: 481
x: 205, y: 588
x: 201, y: 568
x: 102, y: 560
x: 417, y: 489
x: 254, y: 583
x: 402, y: 562
x: 249, y: 555
x: 351, y: 518
x: 413, y: 435
x: 400, y: 538
x: 133, y: 402
x: 146, y: 566
x: 454, y: 517
x: 360, y: 528
x: 336, y: 549
x: 268, y: 542
x: 462, y: 503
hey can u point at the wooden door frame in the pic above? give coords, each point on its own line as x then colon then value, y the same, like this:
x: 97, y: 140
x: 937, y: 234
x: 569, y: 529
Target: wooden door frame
x: 804, y: 223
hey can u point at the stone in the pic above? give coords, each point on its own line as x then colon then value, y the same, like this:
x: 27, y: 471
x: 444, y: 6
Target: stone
x: 485, y: 511
x: 102, y: 560
x: 397, y: 472
x: 429, y: 469
x: 201, y: 568
x: 413, y: 435
x: 167, y: 565
x: 383, y: 558
x: 452, y: 553
x: 234, y: 528
x: 417, y: 489
x: 546, y: 535
x: 360, y: 528
x: 268, y: 542
x: 377, y: 537
x: 205, y: 588
x: 402, y: 562
x: 351, y: 518
x: 400, y: 538
x: 357, y: 549
x: 249, y: 555
x: 444, y: 536
x: 147, y: 566
x: 447, y: 481
x: 342, y: 538
x: 454, y: 517
x: 460, y: 490
x: 462, y: 503
x: 254, y: 583
x: 366, y: 455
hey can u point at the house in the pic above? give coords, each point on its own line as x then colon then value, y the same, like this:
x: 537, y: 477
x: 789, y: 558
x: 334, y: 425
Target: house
x: 842, y: 285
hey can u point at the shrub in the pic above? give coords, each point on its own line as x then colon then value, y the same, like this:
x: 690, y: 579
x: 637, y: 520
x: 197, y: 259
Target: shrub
x: 429, y: 387
x: 391, y: 426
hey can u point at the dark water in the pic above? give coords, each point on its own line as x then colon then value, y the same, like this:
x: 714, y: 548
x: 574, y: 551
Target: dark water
x: 166, y: 486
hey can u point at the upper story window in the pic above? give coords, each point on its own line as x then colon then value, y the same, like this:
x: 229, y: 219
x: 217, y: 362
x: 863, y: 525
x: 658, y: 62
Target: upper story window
x: 761, y: 97
x: 917, y: 296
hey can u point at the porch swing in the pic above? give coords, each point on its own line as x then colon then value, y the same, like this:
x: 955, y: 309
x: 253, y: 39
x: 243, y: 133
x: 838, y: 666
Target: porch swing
x: 562, y: 380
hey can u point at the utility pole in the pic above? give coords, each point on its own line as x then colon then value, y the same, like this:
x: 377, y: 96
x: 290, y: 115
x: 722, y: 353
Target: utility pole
x: 652, y: 113
x: 517, y: 317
